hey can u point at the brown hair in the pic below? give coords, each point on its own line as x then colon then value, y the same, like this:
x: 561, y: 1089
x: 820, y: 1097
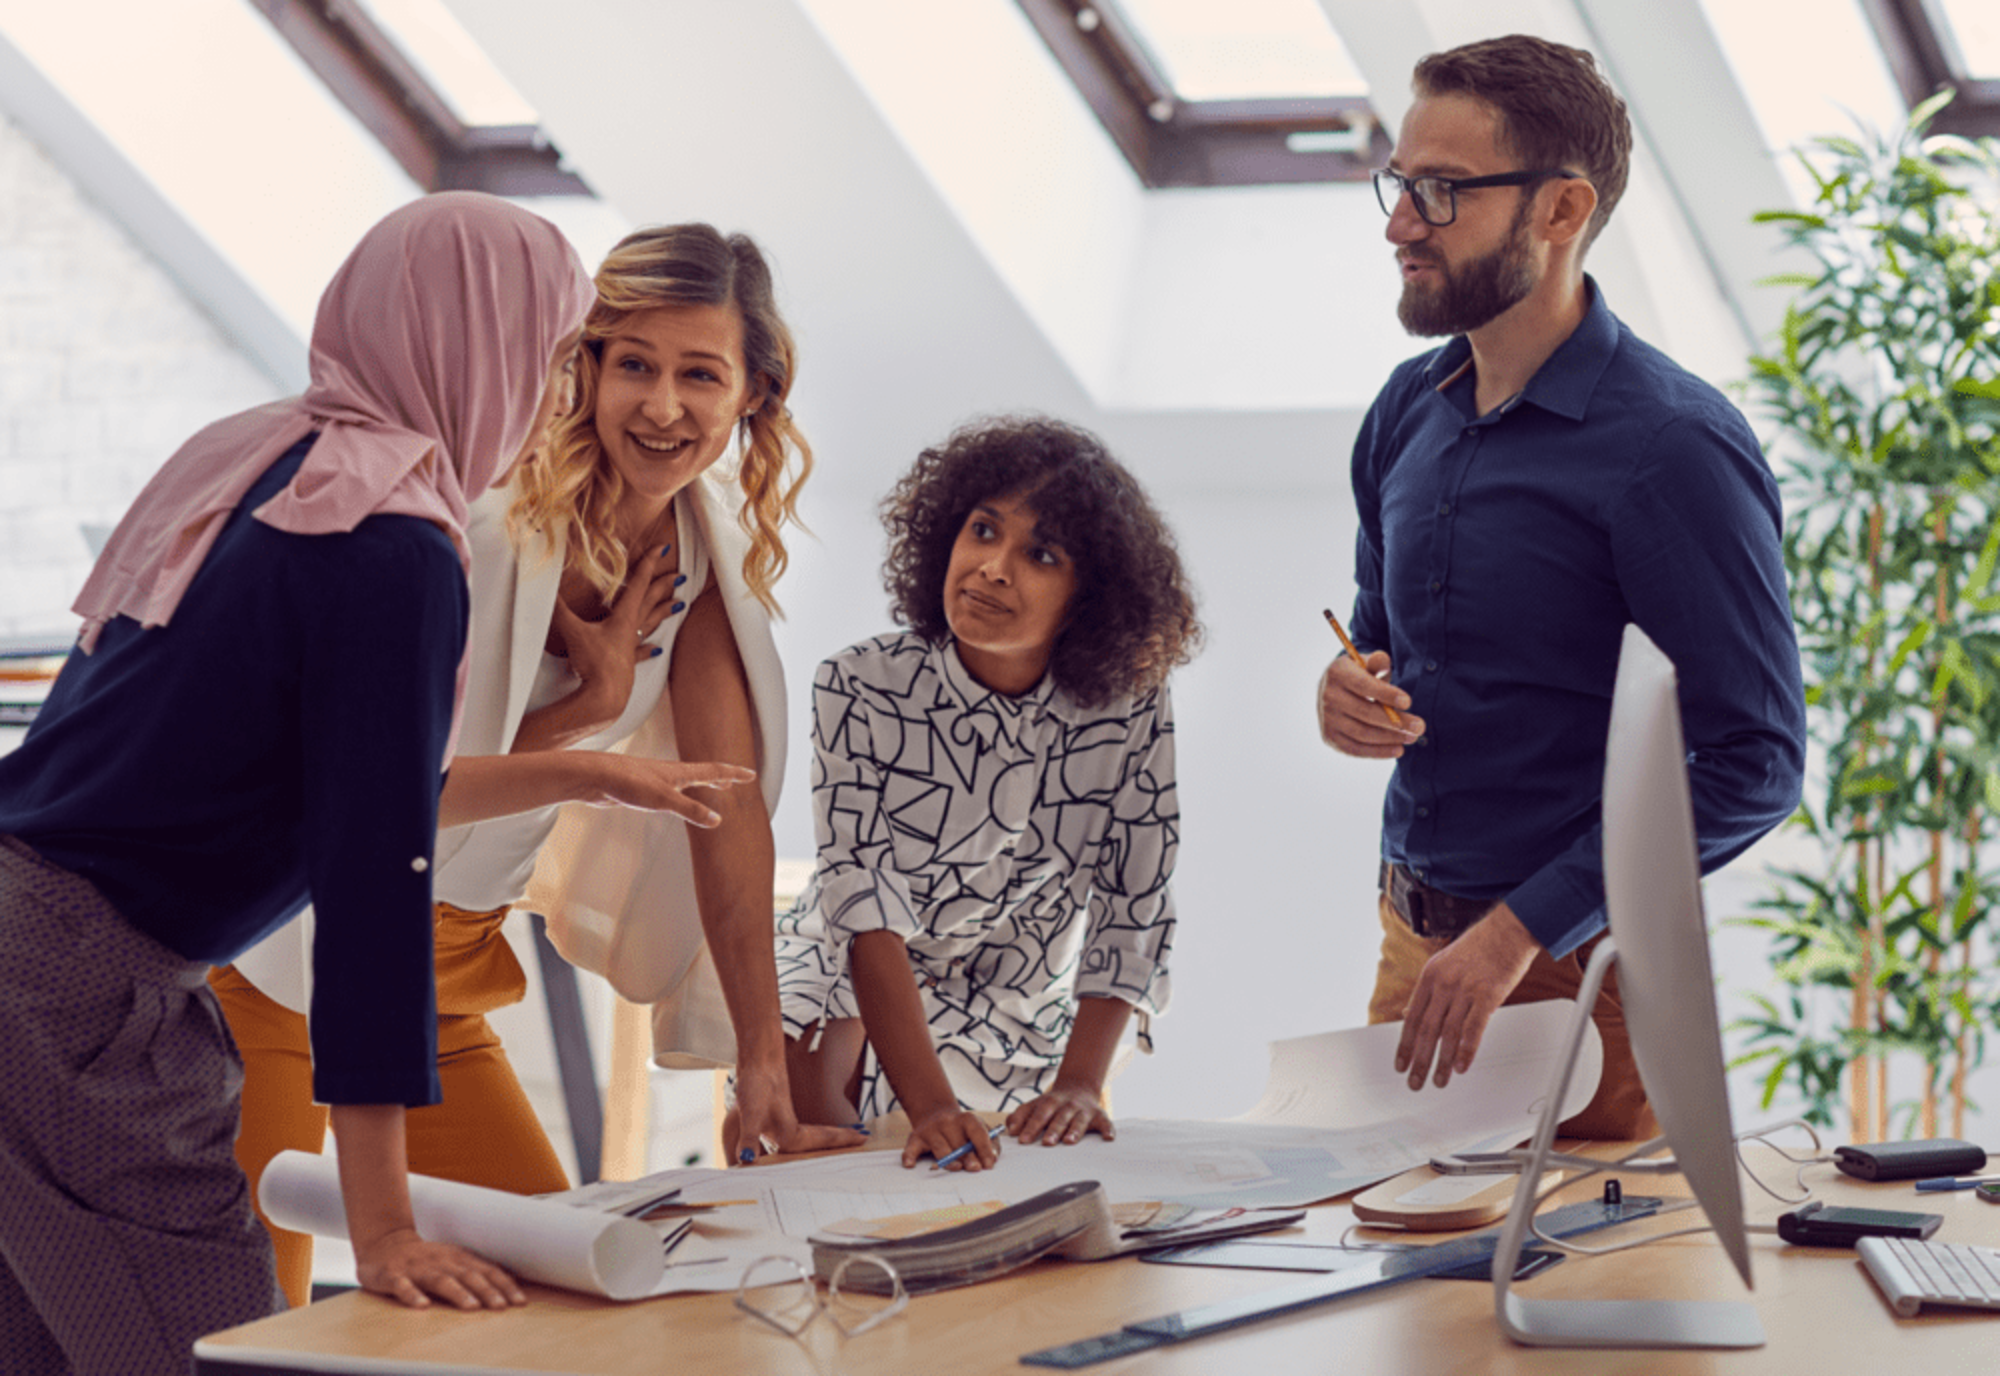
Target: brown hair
x: 566, y: 486
x: 1131, y: 620
x: 1555, y: 107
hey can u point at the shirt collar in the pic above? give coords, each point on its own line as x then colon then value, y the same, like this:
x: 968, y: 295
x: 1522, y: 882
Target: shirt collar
x: 1564, y: 383
x: 983, y: 705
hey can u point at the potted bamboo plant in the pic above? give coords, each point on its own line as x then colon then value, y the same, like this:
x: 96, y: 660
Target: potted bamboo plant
x: 1885, y: 383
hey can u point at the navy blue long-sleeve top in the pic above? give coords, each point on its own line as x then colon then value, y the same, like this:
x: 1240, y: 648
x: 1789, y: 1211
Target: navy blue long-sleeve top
x: 278, y: 741
x: 1498, y: 562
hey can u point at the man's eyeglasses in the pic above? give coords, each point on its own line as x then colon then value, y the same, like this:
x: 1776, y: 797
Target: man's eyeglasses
x: 1435, y: 199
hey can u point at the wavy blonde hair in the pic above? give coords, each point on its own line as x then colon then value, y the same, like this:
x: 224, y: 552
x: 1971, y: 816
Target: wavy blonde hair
x: 567, y: 487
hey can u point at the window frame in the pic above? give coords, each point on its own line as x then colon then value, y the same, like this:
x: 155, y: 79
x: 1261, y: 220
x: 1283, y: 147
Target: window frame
x: 1171, y: 142
x: 366, y: 72
x: 1920, y: 62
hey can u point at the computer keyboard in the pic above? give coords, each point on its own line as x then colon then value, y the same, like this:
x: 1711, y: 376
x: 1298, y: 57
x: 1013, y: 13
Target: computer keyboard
x: 1913, y: 1274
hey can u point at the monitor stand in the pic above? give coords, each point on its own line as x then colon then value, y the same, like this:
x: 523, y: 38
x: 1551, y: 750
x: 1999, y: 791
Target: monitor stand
x: 1600, y: 1323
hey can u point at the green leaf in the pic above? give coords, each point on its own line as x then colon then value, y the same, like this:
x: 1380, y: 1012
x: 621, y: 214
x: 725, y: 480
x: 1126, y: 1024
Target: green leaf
x: 1926, y: 110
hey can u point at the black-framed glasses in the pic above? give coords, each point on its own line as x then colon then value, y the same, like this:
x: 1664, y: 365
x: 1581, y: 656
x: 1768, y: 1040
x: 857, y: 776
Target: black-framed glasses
x: 1435, y: 199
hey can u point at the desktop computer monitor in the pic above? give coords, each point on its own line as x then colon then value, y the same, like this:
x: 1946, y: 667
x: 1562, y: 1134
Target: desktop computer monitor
x: 1652, y: 881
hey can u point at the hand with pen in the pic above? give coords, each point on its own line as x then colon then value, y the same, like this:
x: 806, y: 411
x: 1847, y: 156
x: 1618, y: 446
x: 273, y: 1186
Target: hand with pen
x: 1361, y: 713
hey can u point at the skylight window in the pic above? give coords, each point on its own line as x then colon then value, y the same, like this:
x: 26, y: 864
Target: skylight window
x: 1932, y: 44
x: 1974, y: 27
x: 454, y: 64
x: 1246, y: 49
x: 420, y: 84
x: 1206, y: 93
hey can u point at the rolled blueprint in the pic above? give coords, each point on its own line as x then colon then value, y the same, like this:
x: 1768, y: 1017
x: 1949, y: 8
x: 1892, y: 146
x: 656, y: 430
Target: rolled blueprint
x: 536, y: 1239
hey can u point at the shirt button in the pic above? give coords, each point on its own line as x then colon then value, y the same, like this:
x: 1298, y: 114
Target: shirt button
x: 1444, y: 509
x: 1430, y: 666
x: 1437, y: 585
x: 1423, y: 812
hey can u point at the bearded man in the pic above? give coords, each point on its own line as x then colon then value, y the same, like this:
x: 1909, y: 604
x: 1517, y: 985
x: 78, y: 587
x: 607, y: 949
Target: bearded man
x: 1524, y: 492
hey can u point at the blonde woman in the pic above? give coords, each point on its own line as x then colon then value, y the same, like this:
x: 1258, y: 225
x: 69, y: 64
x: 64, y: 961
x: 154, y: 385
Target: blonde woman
x: 622, y: 592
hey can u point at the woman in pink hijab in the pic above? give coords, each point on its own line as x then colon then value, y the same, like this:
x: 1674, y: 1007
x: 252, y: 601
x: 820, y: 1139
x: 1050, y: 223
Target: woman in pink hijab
x: 259, y: 714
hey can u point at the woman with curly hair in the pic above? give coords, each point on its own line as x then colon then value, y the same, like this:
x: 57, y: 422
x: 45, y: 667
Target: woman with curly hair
x: 621, y: 593
x: 994, y: 800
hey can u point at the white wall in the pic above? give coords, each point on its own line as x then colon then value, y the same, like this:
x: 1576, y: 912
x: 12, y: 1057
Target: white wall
x: 105, y: 367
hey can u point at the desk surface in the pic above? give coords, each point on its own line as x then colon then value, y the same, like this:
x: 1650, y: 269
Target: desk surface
x: 1820, y: 1310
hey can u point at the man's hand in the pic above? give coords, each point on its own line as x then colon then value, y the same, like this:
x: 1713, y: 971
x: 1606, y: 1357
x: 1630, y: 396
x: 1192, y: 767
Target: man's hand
x: 1351, y: 719
x: 1457, y: 992
x: 1064, y: 1114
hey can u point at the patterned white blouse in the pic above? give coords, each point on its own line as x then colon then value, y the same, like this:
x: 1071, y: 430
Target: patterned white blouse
x: 1021, y: 847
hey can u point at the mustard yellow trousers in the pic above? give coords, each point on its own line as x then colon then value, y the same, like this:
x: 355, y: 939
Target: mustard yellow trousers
x: 485, y: 1132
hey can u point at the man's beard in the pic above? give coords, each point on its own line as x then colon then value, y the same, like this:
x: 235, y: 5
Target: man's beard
x: 1468, y: 296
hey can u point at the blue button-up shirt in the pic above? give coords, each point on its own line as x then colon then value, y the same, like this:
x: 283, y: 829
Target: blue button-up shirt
x: 1499, y: 559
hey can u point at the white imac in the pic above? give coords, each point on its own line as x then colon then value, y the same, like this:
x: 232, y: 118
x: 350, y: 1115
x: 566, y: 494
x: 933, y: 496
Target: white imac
x: 1652, y: 882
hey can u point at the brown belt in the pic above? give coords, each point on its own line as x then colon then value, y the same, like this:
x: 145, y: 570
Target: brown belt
x: 1430, y: 912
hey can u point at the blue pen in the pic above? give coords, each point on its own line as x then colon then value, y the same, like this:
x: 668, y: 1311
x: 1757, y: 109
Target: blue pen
x: 1941, y: 1183
x: 960, y: 1153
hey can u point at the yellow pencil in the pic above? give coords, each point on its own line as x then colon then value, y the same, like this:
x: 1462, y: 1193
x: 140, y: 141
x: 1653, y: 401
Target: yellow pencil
x: 1395, y: 719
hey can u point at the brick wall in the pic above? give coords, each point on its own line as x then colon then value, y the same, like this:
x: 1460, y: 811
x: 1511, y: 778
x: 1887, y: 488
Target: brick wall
x: 105, y: 367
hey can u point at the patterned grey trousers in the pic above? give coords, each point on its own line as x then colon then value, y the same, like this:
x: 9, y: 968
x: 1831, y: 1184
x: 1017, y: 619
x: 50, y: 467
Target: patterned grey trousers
x: 125, y: 1224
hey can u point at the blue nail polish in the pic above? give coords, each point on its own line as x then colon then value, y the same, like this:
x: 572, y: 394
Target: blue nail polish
x: 746, y: 1156
x: 657, y: 652
x: 677, y: 607
x: 679, y: 579
x: 861, y: 1128
x: 665, y: 550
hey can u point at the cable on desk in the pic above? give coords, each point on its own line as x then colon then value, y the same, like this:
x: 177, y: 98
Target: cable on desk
x: 1820, y: 1156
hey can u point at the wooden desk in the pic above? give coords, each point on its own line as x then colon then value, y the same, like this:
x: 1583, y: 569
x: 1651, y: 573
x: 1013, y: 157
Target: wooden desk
x: 1820, y: 1310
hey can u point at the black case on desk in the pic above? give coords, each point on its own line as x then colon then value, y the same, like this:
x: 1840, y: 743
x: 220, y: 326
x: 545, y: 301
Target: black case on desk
x: 1910, y: 1160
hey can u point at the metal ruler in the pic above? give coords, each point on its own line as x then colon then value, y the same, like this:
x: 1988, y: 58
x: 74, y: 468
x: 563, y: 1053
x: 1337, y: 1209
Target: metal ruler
x: 1390, y: 1268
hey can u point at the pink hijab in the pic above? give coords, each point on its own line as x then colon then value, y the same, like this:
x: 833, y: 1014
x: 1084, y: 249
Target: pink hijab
x: 429, y: 354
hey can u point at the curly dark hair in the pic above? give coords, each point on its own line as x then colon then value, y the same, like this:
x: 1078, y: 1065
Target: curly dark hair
x: 1132, y: 618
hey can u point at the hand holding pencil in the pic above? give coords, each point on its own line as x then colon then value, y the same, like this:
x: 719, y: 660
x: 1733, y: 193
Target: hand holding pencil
x: 1358, y: 706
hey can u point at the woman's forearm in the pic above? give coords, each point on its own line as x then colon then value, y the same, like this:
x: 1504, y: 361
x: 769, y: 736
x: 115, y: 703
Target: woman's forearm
x: 892, y: 1009
x: 374, y: 1171
x: 482, y: 787
x: 1093, y: 1043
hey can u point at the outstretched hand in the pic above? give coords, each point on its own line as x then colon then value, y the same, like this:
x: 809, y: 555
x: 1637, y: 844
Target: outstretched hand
x: 657, y: 785
x: 1456, y: 995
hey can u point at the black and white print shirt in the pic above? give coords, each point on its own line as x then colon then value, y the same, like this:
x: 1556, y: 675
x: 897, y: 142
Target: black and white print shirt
x: 1021, y: 847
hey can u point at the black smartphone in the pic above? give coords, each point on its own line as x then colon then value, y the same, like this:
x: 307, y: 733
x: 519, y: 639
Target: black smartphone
x: 1818, y: 1225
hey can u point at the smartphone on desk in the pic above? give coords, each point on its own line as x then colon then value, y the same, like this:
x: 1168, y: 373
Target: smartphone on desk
x: 1476, y: 1163
x: 1988, y: 1190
